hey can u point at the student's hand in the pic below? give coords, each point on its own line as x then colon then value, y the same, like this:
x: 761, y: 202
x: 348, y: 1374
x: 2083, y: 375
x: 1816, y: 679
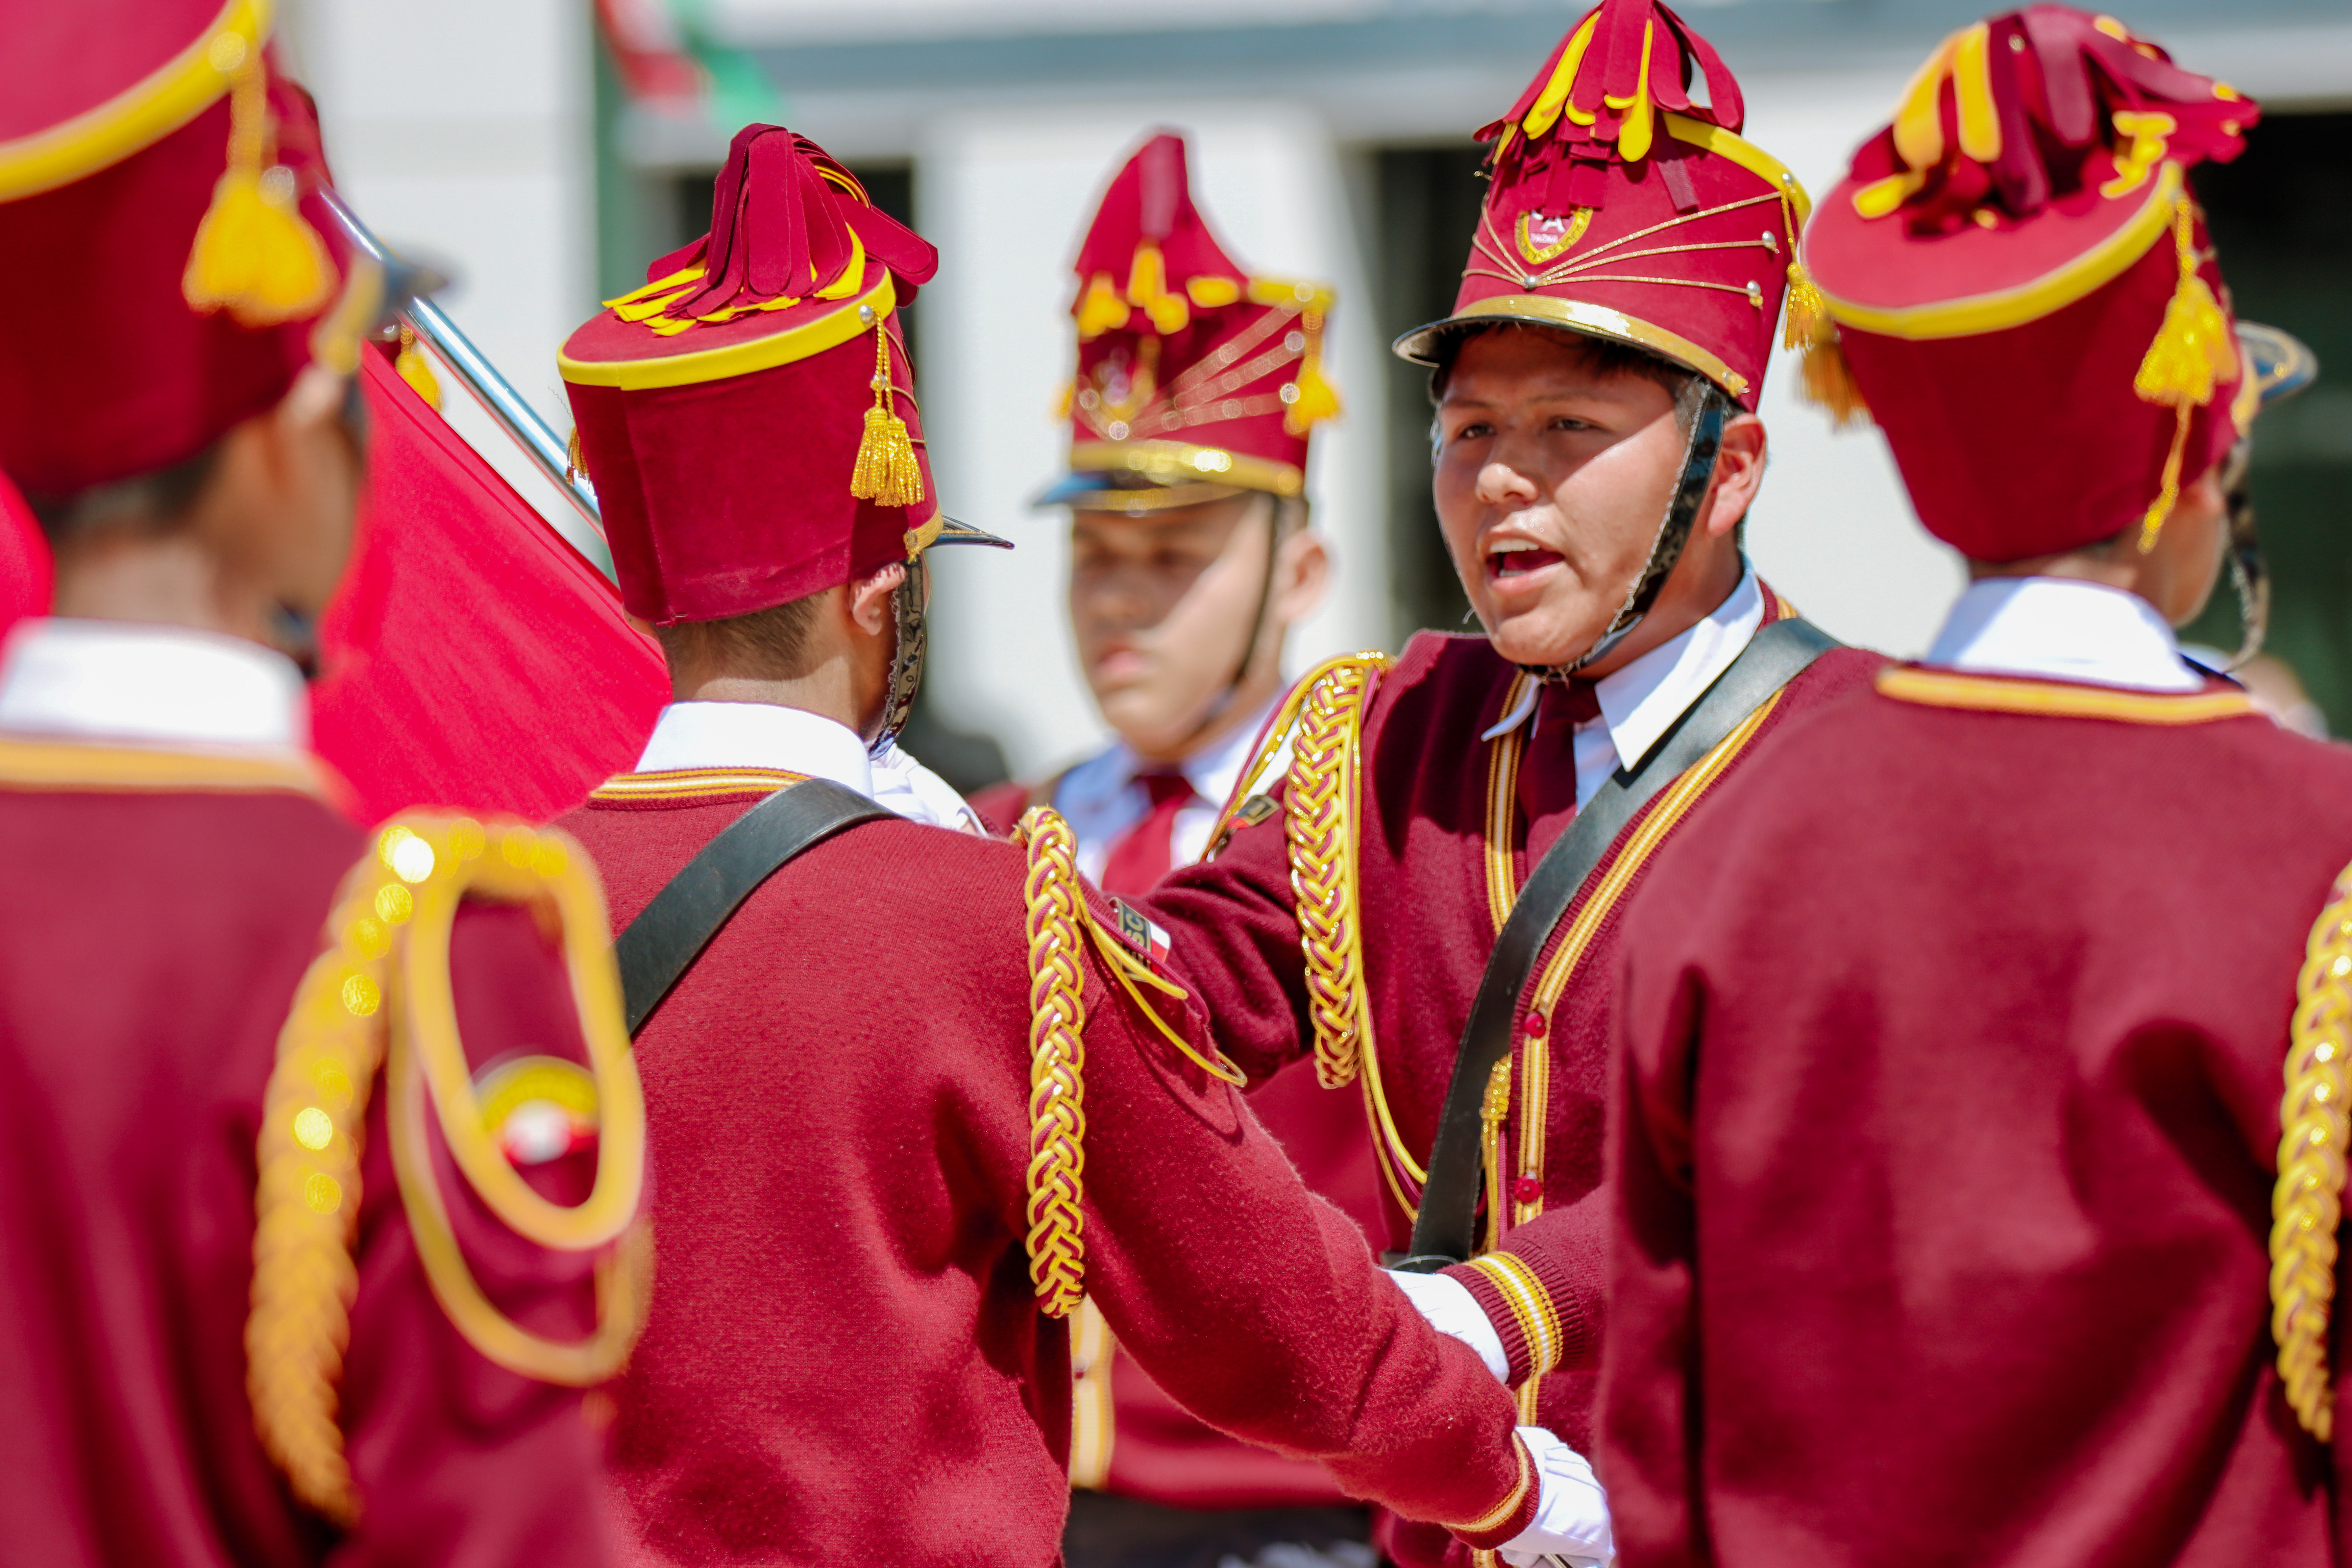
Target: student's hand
x: 1447, y: 1305
x: 1572, y: 1522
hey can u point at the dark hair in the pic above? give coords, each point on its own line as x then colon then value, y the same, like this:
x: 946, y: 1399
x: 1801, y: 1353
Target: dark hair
x: 1606, y: 356
x: 768, y: 644
x: 150, y: 504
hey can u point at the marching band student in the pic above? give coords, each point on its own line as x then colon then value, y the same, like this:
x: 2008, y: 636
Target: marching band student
x: 913, y: 1091
x: 1430, y: 900
x: 246, y: 1315
x: 1950, y: 1161
x: 1192, y: 555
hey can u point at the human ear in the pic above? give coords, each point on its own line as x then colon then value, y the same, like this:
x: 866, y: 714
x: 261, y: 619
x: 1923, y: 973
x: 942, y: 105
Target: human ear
x: 869, y: 599
x: 1302, y: 574
x: 1739, y: 472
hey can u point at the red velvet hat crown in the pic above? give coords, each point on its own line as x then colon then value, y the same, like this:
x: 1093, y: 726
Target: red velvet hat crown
x: 149, y: 151
x: 1622, y: 208
x: 748, y: 415
x: 1195, y: 379
x: 2024, y: 293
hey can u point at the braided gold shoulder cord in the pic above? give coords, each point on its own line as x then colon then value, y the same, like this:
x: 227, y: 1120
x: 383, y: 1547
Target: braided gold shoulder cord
x: 1057, y: 915
x: 2307, y: 1203
x: 391, y: 923
x: 1323, y: 721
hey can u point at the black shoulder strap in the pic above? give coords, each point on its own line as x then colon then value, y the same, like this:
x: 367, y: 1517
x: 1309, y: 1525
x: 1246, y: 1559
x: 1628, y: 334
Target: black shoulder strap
x: 1447, y: 1227
x: 671, y: 931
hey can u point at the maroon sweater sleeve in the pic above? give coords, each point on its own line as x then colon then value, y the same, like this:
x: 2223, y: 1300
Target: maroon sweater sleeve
x: 1649, y: 1369
x: 460, y: 1462
x: 1233, y: 935
x: 1546, y: 1288
x: 1257, y: 1305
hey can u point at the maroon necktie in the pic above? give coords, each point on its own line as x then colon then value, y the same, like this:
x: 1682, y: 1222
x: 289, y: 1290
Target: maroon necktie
x: 1147, y: 851
x: 1579, y: 703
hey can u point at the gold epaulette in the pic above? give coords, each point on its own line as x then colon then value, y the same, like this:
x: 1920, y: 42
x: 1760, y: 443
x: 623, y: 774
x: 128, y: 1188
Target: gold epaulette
x: 2308, y: 1201
x: 380, y: 998
x: 1059, y: 923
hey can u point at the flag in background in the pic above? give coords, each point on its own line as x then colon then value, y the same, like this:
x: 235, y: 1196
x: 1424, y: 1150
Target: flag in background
x: 473, y: 658
x: 670, y: 58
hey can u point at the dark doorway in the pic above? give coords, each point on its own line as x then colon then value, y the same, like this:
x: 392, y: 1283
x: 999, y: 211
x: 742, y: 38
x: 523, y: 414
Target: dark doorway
x: 2281, y: 218
x: 1428, y: 206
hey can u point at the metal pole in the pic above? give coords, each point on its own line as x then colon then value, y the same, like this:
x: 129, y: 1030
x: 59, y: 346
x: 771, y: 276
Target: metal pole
x: 517, y: 417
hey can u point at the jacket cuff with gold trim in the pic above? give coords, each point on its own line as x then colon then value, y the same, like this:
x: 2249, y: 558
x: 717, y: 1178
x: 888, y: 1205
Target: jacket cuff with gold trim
x: 1510, y: 1516
x: 1533, y: 1311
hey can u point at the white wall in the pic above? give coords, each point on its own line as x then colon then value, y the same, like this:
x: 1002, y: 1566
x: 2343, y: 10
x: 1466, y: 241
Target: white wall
x: 460, y: 131
x: 1005, y: 194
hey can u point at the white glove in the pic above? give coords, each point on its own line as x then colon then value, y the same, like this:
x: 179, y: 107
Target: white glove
x: 1447, y: 1305
x: 913, y: 791
x: 1572, y: 1522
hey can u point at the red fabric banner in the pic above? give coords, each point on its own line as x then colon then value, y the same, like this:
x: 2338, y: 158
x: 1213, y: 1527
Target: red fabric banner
x: 473, y: 658
x: 24, y: 560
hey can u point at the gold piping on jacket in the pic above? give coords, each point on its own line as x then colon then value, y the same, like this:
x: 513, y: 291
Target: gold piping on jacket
x: 1989, y: 694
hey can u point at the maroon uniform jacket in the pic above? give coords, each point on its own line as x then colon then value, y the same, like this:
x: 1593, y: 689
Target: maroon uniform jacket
x: 1451, y: 825
x: 161, y: 908
x: 846, y: 1362
x: 1950, y: 1106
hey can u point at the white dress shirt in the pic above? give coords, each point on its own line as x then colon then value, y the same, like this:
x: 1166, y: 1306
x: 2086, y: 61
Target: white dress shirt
x: 140, y: 684
x: 762, y: 735
x: 1101, y: 798
x: 2058, y: 628
x: 1640, y: 701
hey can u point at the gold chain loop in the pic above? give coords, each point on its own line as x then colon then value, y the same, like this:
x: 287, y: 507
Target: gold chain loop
x: 2307, y: 1202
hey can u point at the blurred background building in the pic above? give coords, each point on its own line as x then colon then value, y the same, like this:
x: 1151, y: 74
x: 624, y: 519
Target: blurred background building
x: 551, y: 148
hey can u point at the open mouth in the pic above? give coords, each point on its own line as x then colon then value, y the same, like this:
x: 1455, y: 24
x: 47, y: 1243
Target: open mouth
x: 1518, y: 557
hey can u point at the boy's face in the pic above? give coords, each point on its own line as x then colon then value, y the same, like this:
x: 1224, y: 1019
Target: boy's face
x: 1551, y: 481
x: 1163, y: 605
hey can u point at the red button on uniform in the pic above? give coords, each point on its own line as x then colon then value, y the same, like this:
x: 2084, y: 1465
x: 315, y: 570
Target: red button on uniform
x: 1536, y: 1024
x: 1526, y: 1189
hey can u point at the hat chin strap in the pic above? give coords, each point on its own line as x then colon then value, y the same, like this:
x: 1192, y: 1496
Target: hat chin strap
x: 2248, y: 574
x: 1698, y: 470
x: 907, y: 649
x: 1223, y: 704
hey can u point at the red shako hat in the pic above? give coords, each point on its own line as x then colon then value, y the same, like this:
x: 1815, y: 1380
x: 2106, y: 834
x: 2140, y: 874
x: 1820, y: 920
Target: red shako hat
x: 2024, y: 293
x: 1622, y: 208
x: 150, y: 151
x: 747, y: 417
x: 1196, y: 378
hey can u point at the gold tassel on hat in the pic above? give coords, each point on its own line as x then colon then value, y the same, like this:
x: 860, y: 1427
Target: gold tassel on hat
x: 887, y: 473
x: 1829, y: 384
x: 254, y: 252
x: 1309, y: 399
x: 2192, y: 352
x: 415, y: 369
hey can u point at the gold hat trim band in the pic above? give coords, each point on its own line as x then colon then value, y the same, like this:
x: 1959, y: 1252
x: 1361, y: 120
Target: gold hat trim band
x: 1173, y: 462
x: 809, y: 339
x: 141, y: 115
x: 2051, y: 292
x: 1578, y: 316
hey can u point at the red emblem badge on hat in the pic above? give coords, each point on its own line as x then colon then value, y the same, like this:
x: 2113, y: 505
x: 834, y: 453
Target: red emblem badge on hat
x: 747, y: 417
x: 2023, y: 292
x: 1621, y: 207
x: 1195, y: 379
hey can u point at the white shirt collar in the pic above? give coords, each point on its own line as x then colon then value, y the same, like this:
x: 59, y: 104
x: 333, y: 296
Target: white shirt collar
x: 757, y: 735
x: 795, y: 741
x: 1640, y: 701
x: 2060, y: 628
x: 1210, y: 770
x: 145, y: 684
